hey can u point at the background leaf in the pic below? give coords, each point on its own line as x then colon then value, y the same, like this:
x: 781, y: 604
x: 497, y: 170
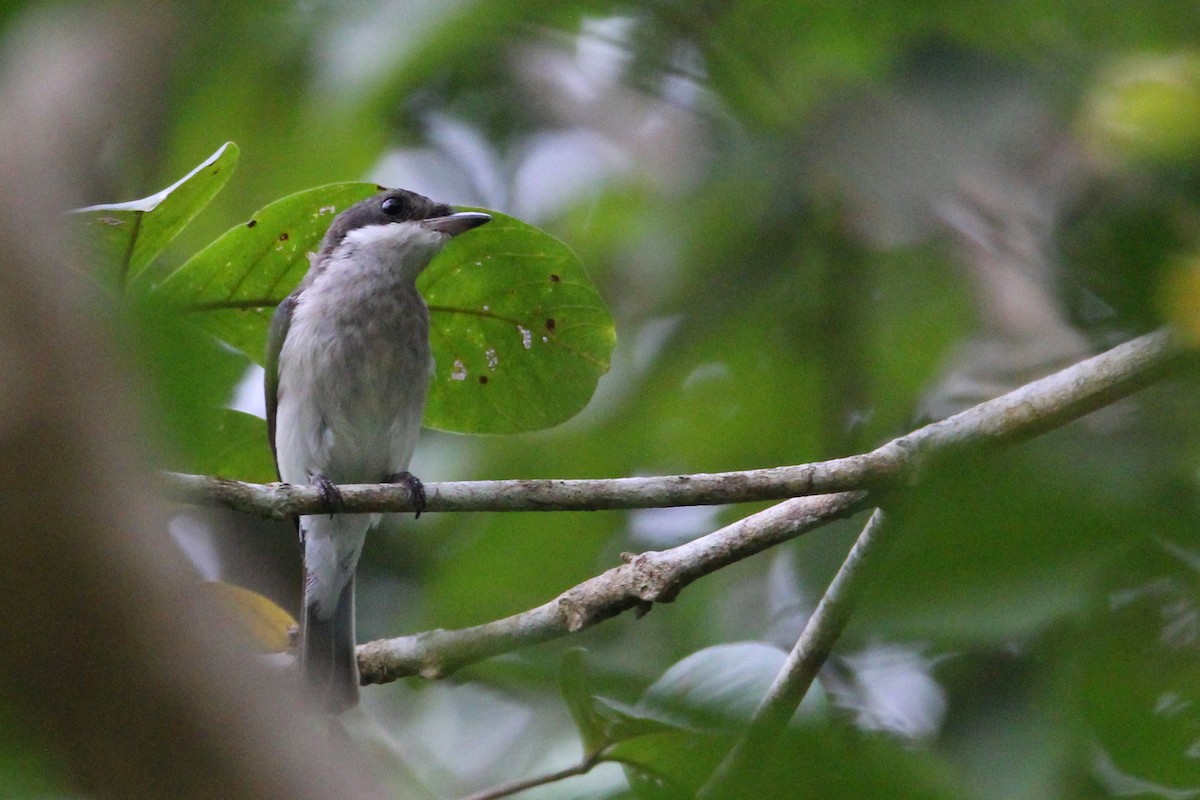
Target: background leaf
x: 670, y: 764
x: 234, y: 445
x: 125, y: 238
x: 190, y: 379
x: 573, y: 684
x: 717, y: 687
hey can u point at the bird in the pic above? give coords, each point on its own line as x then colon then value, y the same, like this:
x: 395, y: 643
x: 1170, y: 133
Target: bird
x: 348, y: 366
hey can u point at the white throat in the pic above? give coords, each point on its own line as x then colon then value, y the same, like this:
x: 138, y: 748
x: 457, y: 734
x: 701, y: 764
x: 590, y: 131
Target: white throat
x: 404, y: 246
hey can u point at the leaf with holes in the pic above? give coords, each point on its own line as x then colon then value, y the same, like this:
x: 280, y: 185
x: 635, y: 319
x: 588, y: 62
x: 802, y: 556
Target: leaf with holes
x: 231, y: 287
x: 519, y: 333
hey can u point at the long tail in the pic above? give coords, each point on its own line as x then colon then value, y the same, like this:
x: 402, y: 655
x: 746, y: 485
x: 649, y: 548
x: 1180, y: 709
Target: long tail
x: 327, y: 647
x: 328, y: 660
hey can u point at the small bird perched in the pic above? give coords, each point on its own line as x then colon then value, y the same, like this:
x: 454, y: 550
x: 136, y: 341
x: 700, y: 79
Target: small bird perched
x: 347, y: 370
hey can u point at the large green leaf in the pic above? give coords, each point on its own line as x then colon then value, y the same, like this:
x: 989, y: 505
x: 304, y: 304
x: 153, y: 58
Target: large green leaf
x: 519, y: 333
x: 188, y: 377
x: 127, y: 237
x: 233, y: 285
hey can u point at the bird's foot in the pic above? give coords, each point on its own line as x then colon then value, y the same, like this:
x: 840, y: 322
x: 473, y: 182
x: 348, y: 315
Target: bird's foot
x: 416, y: 489
x: 330, y: 494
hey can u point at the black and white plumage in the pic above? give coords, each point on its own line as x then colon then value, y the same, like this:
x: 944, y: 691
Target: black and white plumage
x: 347, y: 370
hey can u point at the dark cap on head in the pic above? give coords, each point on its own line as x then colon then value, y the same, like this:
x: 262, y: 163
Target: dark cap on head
x: 393, y: 205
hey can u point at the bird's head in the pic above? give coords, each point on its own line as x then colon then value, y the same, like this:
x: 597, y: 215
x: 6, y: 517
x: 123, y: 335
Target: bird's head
x: 398, y: 225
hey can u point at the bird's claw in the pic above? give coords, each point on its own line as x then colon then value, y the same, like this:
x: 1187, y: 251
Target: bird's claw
x: 330, y: 494
x: 416, y: 489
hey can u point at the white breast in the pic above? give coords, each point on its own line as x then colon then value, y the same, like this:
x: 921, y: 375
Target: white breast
x: 355, y: 365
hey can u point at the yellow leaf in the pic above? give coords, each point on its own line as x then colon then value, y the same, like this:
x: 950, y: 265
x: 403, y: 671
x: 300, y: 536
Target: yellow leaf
x: 266, y: 623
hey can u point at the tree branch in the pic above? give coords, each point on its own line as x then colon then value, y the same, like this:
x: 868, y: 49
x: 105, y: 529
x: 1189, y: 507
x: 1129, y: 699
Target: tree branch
x: 1021, y: 414
x: 804, y: 662
x: 652, y: 577
x: 656, y: 577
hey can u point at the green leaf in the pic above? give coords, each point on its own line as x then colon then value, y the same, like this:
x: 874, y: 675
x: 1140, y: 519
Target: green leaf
x: 573, y: 685
x: 669, y: 764
x: 1137, y: 675
x: 519, y: 333
x: 622, y: 721
x: 234, y: 445
x: 234, y: 284
x: 187, y: 374
x: 602, y: 721
x: 828, y: 761
x: 717, y: 687
x: 127, y: 237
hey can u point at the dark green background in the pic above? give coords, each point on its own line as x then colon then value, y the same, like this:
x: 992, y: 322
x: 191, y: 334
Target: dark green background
x: 1050, y: 590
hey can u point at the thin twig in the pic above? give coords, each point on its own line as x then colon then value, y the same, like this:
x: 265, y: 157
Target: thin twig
x: 645, y: 579
x: 804, y: 662
x: 1021, y: 414
x: 582, y: 768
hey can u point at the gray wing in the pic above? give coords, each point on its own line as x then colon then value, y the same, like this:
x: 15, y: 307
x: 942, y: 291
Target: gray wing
x: 275, y: 337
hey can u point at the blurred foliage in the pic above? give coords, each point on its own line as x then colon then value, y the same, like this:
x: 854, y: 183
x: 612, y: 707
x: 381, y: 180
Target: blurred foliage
x: 27, y: 765
x: 754, y: 189
x: 127, y: 237
x: 1146, y: 108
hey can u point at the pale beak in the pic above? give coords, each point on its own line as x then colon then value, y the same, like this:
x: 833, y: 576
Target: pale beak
x: 454, y: 224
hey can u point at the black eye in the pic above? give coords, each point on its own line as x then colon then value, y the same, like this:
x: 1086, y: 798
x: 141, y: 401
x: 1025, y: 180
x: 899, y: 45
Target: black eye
x: 392, y: 206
